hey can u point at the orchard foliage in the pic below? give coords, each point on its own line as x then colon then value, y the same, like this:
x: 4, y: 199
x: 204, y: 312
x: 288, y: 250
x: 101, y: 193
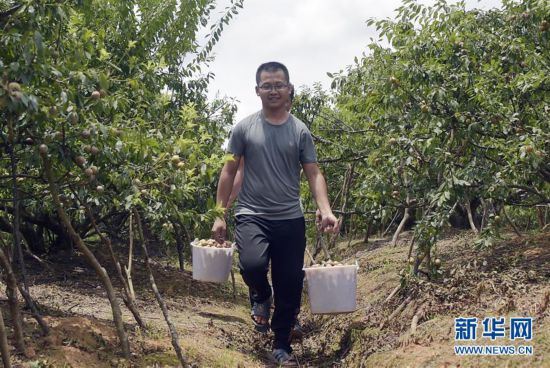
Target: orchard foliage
x: 450, y: 112
x: 113, y: 93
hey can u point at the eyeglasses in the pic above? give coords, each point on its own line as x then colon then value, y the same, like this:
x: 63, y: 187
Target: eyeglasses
x: 269, y: 87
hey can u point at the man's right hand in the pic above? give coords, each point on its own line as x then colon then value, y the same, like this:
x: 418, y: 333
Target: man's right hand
x: 219, y: 230
x: 327, y: 223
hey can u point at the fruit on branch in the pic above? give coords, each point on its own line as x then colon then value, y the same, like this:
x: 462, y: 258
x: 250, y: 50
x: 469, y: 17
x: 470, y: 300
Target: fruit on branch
x: 57, y: 135
x: 80, y: 160
x: 424, y: 107
x: 116, y: 132
x: 14, y: 86
x: 14, y: 91
x: 17, y: 96
x: 73, y: 117
x: 175, y: 159
x: 43, y: 149
x: 96, y: 95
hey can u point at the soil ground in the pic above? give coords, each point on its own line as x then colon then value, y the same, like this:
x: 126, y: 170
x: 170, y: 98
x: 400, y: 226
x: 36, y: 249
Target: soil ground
x: 511, y: 279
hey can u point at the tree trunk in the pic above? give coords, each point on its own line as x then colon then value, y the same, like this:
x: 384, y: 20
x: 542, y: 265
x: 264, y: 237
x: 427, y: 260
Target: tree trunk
x: 171, y: 327
x: 485, y: 214
x: 152, y: 241
x: 345, y: 194
x: 34, y: 310
x: 418, y: 261
x: 510, y: 222
x: 366, y: 240
x: 15, y: 312
x: 179, y: 245
x: 4, y: 348
x: 541, y: 217
x: 471, y: 217
x: 16, y: 209
x: 233, y: 284
x: 400, y: 227
x: 128, y: 270
x: 391, y: 223
x: 100, y: 271
x: 187, y: 241
x: 128, y: 298
x: 5, y: 263
x: 411, y: 246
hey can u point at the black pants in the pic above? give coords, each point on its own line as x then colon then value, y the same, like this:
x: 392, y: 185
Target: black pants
x: 283, y: 242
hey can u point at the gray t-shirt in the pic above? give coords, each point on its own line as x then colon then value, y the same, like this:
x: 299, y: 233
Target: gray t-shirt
x: 273, y: 156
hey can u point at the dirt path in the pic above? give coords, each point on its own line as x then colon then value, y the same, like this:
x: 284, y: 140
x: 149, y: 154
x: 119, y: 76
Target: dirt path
x: 215, y: 330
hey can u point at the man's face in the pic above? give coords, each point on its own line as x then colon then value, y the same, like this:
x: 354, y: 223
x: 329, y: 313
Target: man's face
x: 273, y: 89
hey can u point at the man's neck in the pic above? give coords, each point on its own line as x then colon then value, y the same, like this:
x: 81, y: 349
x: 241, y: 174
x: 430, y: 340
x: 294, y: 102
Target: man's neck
x: 277, y: 117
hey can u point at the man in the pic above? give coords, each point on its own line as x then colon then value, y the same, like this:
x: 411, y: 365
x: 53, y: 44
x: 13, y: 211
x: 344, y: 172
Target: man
x: 296, y: 333
x: 270, y: 224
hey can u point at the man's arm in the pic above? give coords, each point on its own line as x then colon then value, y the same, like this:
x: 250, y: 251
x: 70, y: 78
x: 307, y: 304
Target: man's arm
x: 318, y: 187
x: 225, y: 185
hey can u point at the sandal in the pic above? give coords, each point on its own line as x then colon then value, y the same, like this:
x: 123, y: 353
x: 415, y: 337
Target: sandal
x: 283, y: 359
x: 261, y: 310
x: 296, y: 333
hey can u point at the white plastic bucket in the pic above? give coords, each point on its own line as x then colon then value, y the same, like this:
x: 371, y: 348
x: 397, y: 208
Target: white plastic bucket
x: 211, y: 264
x: 332, y: 289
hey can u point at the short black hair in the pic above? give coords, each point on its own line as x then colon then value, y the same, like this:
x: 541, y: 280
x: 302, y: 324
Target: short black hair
x: 272, y: 66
